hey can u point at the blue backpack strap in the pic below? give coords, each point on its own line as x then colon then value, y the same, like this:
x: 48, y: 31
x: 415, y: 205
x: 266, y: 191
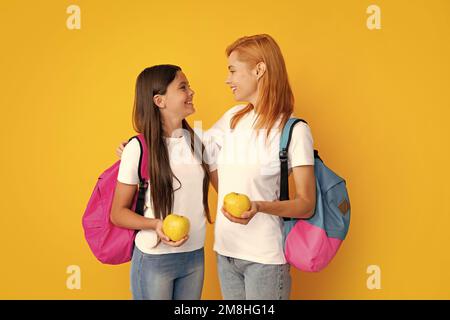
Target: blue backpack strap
x: 285, y: 140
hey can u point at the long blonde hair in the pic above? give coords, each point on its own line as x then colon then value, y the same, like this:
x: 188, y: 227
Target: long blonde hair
x: 275, y: 95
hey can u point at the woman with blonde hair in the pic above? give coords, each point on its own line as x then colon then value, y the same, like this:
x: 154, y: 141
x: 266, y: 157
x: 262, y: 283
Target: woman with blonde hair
x: 250, y: 254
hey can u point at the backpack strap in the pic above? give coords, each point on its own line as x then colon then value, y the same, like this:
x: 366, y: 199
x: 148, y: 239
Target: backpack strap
x: 285, y: 140
x: 143, y: 159
x: 143, y: 174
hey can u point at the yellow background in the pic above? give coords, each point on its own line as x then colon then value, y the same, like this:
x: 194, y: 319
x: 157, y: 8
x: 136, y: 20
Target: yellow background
x: 377, y: 102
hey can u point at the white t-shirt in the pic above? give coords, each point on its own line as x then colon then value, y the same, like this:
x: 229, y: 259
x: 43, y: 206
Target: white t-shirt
x: 246, y: 164
x: 188, y: 200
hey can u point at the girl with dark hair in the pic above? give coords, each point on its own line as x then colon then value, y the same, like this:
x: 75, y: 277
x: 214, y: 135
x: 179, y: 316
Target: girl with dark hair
x: 161, y: 268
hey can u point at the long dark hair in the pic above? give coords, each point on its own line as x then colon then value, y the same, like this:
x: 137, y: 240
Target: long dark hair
x: 147, y: 120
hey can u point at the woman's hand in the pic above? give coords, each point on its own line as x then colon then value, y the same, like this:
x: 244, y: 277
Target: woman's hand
x: 120, y: 148
x: 245, y: 217
x: 165, y: 239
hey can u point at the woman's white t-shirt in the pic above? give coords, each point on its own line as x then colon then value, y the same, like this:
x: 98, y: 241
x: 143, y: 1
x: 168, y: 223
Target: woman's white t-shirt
x: 246, y: 164
x: 188, y: 199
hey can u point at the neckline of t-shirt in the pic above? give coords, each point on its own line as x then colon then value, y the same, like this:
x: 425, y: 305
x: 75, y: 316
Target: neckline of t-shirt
x: 174, y: 139
x: 252, y: 117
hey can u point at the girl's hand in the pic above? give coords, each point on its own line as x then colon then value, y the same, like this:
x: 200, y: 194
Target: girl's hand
x: 165, y: 239
x: 120, y: 148
x: 245, y: 217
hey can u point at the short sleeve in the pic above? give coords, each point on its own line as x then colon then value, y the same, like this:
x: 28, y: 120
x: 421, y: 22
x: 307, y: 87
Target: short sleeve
x: 211, y: 151
x: 217, y: 132
x: 301, y: 148
x: 214, y: 137
x: 128, y: 170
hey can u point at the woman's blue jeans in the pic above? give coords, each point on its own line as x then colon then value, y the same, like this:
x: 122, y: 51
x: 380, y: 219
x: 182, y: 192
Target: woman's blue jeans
x: 246, y: 280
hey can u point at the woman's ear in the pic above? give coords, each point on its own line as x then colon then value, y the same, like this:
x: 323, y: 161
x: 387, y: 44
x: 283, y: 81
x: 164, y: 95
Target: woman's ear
x: 159, y: 100
x: 260, y: 69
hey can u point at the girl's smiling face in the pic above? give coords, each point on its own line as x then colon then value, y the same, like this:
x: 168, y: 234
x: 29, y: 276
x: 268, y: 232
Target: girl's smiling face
x: 242, y: 79
x: 177, y: 102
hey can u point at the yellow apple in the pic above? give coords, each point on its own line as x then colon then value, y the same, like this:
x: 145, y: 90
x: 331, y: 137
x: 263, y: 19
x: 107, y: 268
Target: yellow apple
x: 176, y: 227
x: 236, y: 204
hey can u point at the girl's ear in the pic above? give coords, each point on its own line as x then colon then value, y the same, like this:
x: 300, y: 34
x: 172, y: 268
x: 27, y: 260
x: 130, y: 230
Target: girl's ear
x: 159, y: 101
x: 260, y: 69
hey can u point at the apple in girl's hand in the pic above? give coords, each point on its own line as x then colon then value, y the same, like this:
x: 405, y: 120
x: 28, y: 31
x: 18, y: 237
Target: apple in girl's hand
x: 176, y: 227
x: 236, y: 204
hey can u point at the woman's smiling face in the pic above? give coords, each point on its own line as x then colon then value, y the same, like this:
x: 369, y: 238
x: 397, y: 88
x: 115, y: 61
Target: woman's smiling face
x: 241, y: 79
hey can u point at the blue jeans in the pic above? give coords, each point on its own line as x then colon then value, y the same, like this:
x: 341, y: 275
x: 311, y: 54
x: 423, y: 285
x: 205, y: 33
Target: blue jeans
x: 242, y: 279
x: 177, y: 276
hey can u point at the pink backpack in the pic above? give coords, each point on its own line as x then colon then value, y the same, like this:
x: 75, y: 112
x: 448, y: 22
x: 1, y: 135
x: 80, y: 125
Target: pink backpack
x: 111, y: 244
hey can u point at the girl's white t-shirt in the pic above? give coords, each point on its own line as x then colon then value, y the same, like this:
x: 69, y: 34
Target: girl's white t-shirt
x: 188, y: 199
x: 246, y: 164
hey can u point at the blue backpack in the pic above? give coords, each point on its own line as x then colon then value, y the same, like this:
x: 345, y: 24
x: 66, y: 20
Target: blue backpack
x: 310, y: 244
